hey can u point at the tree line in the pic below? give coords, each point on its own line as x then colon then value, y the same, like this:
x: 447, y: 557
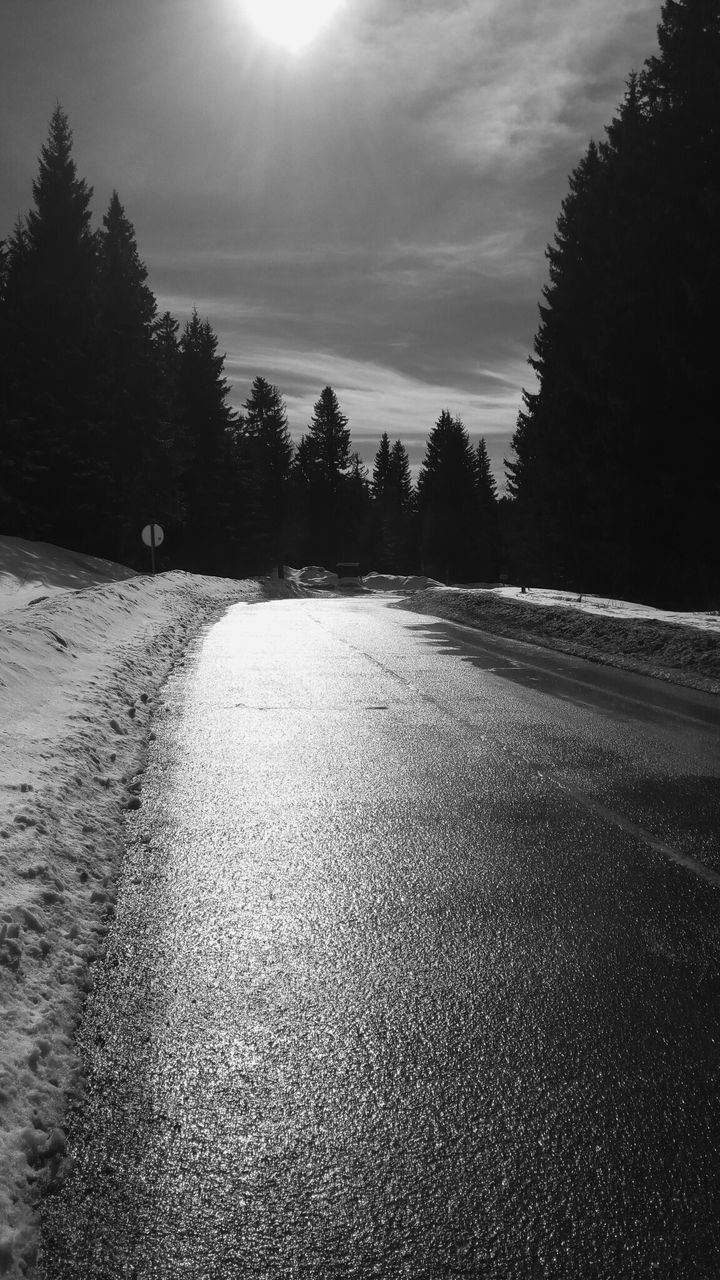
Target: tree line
x: 615, y: 477
x: 113, y: 416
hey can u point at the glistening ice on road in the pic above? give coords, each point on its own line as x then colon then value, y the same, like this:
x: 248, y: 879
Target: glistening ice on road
x: 415, y: 969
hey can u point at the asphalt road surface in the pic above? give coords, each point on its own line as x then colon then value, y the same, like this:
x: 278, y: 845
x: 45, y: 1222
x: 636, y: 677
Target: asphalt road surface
x: 415, y: 970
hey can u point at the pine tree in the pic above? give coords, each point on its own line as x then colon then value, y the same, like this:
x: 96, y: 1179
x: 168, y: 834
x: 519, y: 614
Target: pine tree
x: 329, y: 441
x: 400, y: 477
x: 130, y: 395
x: 126, y: 305
x: 170, y: 436
x: 626, y: 349
x: 392, y: 544
x: 681, y: 87
x: 357, y: 520
x: 322, y: 470
x: 486, y: 483
x: 209, y: 542
x: 448, y: 503
x: 488, y: 533
x: 266, y: 452
x: 57, y: 455
x: 381, y: 469
x: 548, y: 476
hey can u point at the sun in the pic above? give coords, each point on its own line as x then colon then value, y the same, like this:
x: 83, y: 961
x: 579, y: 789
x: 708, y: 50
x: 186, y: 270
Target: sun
x: 291, y: 23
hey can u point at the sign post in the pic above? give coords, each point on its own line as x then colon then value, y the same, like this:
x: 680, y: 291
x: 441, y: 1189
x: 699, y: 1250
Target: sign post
x: 153, y: 536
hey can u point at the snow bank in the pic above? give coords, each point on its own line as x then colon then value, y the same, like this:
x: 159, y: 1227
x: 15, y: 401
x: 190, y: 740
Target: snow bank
x: 396, y: 582
x: 683, y: 648
x: 31, y: 569
x: 312, y: 576
x: 80, y: 672
x: 603, y: 606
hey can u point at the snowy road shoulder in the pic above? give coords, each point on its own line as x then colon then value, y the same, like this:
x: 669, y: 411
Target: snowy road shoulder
x: 80, y: 673
x: 681, y: 648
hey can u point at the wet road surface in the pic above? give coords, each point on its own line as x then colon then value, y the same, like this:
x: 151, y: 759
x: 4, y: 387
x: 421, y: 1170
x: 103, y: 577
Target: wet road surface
x: 415, y: 970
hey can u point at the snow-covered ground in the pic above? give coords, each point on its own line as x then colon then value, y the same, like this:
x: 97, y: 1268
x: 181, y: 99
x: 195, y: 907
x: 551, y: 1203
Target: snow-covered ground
x: 602, y: 605
x: 85, y: 646
x: 683, y: 648
x: 32, y: 569
x: 84, y: 649
x: 314, y: 578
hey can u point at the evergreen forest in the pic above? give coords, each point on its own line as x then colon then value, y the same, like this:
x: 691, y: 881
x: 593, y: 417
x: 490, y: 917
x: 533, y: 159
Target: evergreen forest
x: 113, y: 414
x: 615, y: 478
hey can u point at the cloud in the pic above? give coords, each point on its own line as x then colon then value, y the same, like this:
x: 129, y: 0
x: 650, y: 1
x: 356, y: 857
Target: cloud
x: 373, y: 214
x: 498, y: 83
x: 379, y: 398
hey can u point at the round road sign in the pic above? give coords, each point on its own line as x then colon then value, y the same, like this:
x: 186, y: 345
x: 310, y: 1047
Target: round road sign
x: 150, y: 532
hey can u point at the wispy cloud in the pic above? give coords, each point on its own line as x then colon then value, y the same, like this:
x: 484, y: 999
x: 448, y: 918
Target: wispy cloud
x: 498, y: 82
x: 372, y: 215
x: 379, y: 398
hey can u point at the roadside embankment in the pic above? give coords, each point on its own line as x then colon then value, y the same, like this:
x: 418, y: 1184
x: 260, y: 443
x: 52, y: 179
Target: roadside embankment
x: 678, y: 652
x: 80, y: 674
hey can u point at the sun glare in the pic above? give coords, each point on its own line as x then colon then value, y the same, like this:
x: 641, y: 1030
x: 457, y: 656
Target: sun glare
x: 291, y: 23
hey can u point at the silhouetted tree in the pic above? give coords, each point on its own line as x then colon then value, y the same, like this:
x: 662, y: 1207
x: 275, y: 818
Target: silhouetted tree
x: 392, y: 544
x: 548, y: 476
x: 266, y: 452
x: 488, y: 533
x: 55, y: 483
x: 322, y: 469
x: 357, y: 521
x: 448, y: 502
x: 381, y: 469
x: 626, y: 349
x: 400, y: 478
x: 131, y: 397
x: 170, y: 436
x: 209, y: 539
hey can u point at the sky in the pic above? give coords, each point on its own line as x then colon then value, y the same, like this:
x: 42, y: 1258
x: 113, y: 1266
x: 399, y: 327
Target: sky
x: 369, y: 211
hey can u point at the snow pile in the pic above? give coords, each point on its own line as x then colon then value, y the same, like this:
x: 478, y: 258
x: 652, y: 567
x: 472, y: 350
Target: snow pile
x: 31, y: 569
x: 313, y: 577
x: 683, y: 648
x: 396, y: 582
x: 623, y: 609
x: 80, y: 671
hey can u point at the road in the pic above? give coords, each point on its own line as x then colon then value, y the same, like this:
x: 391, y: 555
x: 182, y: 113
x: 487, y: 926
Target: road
x: 415, y: 970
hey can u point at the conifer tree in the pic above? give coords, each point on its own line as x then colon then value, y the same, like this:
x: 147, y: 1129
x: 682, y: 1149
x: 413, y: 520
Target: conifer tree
x: 488, y: 535
x: 170, y: 437
x: 57, y: 454
x: 392, y: 543
x: 329, y: 441
x: 448, y: 503
x: 487, y: 485
x: 209, y: 540
x: 166, y: 356
x: 626, y: 349
x: 322, y: 469
x: 381, y: 469
x: 129, y: 391
x: 356, y: 525
x: 681, y: 87
x: 400, y: 477
x: 266, y: 451
x: 547, y: 475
